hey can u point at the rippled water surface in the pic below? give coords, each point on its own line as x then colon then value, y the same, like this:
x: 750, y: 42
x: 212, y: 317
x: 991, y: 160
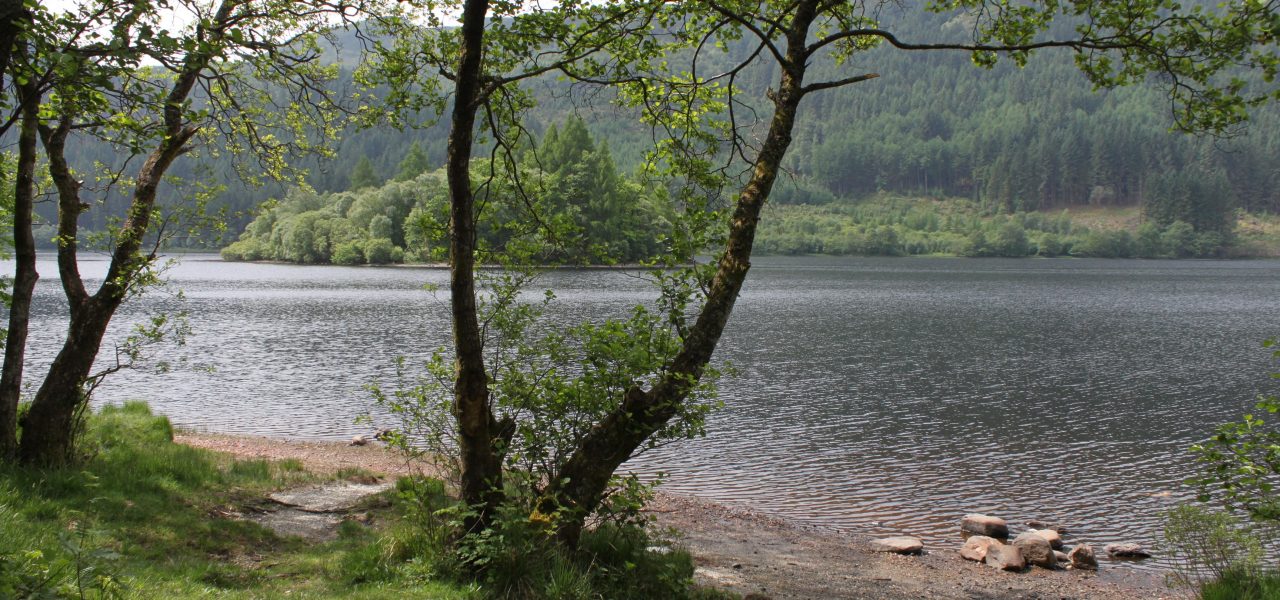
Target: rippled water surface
x: 886, y: 395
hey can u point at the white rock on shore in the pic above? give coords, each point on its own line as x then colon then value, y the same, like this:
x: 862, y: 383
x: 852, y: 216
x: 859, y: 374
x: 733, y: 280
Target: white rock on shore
x: 1082, y: 558
x: 898, y: 545
x: 1053, y: 537
x: 1005, y: 557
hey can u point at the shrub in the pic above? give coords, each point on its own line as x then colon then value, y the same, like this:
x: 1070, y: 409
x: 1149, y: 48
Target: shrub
x: 250, y: 249
x: 1104, y: 244
x: 1205, y: 545
x: 519, y: 557
x: 1239, y: 471
x: 1049, y: 245
x: 1209, y: 244
x: 380, y: 251
x: 1179, y: 239
x: 348, y: 253
x: 1010, y: 241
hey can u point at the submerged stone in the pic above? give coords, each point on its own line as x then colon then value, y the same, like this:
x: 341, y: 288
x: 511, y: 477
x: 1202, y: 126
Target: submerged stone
x: 1126, y: 550
x: 976, y: 524
x: 1038, y: 524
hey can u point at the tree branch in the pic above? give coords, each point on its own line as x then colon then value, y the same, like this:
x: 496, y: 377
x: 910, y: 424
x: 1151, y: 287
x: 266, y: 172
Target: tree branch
x: 826, y: 85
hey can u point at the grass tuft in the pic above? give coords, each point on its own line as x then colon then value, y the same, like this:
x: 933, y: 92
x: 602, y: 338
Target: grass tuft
x: 144, y: 517
x: 1243, y: 585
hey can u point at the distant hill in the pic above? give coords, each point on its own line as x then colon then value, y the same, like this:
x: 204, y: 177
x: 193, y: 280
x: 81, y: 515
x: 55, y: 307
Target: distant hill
x: 932, y: 125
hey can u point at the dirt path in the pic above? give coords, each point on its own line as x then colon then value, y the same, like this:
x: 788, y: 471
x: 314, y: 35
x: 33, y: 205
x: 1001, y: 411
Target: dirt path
x: 757, y: 554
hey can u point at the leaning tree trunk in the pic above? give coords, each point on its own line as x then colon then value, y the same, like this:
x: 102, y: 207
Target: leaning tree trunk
x: 48, y: 430
x: 641, y: 414
x: 24, y: 278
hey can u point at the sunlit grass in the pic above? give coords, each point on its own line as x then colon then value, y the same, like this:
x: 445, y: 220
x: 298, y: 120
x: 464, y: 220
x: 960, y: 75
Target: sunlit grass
x: 157, y: 518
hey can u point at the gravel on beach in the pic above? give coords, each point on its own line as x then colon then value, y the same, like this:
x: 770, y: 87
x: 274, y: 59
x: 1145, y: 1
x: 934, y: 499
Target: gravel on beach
x: 765, y: 556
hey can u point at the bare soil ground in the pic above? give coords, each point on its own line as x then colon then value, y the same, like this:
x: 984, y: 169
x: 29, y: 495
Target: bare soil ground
x: 763, y: 556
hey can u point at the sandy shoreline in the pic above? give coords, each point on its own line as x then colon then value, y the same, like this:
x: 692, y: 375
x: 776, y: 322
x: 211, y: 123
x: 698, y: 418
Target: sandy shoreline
x: 753, y: 553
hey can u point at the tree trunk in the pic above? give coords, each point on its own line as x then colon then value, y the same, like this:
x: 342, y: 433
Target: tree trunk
x: 481, y: 466
x: 24, y: 278
x: 641, y: 414
x: 48, y: 432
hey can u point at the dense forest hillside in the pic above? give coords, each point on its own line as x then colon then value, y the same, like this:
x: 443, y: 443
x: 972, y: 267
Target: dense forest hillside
x: 933, y: 125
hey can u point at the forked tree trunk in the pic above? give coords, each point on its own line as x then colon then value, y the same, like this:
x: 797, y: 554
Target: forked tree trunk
x: 48, y: 431
x: 24, y: 278
x: 49, y: 427
x: 481, y: 466
x: 643, y: 413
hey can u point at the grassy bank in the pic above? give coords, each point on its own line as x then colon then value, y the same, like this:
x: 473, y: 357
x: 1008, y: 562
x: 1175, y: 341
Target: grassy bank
x: 887, y: 225
x: 143, y: 517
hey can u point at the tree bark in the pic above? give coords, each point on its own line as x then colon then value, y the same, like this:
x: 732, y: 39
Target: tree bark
x: 642, y: 413
x: 48, y: 432
x: 481, y: 465
x: 25, y: 275
x: 49, y: 428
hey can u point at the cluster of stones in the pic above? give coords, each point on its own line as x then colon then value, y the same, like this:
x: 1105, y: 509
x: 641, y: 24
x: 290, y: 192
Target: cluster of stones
x: 986, y: 541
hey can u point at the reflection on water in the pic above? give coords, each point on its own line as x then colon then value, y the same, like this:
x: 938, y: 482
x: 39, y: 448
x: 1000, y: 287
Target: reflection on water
x: 886, y: 395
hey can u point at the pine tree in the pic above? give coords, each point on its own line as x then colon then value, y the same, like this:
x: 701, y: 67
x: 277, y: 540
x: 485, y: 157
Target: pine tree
x: 362, y: 175
x: 415, y: 163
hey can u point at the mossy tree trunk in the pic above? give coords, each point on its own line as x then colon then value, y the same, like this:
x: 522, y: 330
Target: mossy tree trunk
x: 481, y: 465
x: 25, y: 275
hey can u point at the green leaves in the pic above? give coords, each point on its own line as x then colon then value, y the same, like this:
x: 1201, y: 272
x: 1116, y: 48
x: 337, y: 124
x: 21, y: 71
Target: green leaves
x: 1240, y: 463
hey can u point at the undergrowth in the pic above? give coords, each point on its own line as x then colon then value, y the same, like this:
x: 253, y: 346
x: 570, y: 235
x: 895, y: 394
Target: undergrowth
x: 144, y: 517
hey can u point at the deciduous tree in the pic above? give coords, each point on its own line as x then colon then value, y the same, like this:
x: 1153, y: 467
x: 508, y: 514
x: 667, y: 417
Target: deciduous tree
x: 120, y: 73
x: 1198, y: 54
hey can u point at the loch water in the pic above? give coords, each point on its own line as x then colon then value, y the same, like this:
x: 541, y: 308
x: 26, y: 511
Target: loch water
x: 872, y: 394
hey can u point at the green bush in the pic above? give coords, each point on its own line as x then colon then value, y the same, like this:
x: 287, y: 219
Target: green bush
x: 380, y: 251
x: 248, y: 249
x: 348, y: 253
x: 1204, y: 545
x: 1239, y: 471
x: 1050, y: 244
x: 1010, y: 241
x: 1179, y: 239
x: 520, y: 558
x: 1104, y: 244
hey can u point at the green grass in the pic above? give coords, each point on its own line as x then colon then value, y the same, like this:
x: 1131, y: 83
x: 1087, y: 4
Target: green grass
x: 147, y: 518
x: 1237, y: 585
x: 144, y: 517
x: 890, y: 225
